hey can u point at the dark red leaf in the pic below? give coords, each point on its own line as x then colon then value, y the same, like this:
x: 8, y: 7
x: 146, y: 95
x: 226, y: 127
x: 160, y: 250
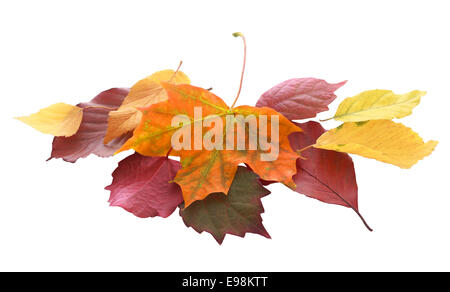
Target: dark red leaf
x: 141, y: 185
x: 324, y: 175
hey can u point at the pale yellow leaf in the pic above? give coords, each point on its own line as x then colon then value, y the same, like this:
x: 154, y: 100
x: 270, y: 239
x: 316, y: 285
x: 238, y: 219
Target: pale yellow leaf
x: 144, y: 93
x: 59, y: 119
x: 377, y: 105
x: 383, y: 140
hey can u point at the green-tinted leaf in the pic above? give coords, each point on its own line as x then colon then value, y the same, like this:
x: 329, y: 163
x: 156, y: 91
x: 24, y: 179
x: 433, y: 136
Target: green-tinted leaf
x: 237, y: 214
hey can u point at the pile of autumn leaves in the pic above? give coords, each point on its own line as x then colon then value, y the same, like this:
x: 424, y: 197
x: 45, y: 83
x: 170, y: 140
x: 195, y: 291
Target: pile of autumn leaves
x: 210, y: 188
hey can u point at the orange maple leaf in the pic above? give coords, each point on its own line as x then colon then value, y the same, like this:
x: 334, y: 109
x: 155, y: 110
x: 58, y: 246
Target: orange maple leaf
x: 207, y: 170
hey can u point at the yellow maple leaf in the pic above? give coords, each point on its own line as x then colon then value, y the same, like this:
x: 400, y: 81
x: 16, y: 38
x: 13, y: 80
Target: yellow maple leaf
x: 377, y: 105
x: 144, y: 93
x: 59, y: 119
x: 383, y: 140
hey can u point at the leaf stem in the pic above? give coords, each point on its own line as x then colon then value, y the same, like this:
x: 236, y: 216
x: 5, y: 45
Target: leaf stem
x: 168, y: 152
x: 176, y: 71
x: 299, y: 152
x: 305, y: 148
x: 239, y: 34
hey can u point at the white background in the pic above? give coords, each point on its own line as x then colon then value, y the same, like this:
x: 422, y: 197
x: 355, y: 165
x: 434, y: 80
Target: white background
x: 54, y: 216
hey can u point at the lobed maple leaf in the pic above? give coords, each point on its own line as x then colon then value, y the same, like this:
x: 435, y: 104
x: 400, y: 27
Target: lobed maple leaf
x: 141, y: 185
x: 300, y: 98
x: 89, y: 137
x: 209, y: 171
x: 237, y: 213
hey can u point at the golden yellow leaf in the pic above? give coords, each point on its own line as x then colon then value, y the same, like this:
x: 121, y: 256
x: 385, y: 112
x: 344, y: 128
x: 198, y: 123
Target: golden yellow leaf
x: 144, y: 93
x: 383, y: 140
x: 59, y: 119
x: 377, y: 105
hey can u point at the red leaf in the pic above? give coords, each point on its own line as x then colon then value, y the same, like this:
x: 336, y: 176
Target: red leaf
x: 300, y: 98
x: 324, y: 175
x: 141, y: 185
x: 89, y: 138
x: 237, y: 213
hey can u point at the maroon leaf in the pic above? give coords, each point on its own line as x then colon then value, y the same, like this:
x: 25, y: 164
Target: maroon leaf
x: 300, y: 98
x: 141, y: 185
x: 237, y: 213
x: 324, y: 175
x: 89, y: 138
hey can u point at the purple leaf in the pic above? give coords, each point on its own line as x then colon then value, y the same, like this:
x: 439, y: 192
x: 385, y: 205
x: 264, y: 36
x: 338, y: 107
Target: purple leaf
x: 89, y: 138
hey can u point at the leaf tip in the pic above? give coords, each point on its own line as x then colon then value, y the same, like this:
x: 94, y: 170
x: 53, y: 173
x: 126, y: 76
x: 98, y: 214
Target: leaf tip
x: 120, y: 150
x: 421, y: 92
x: 290, y: 184
x: 340, y: 84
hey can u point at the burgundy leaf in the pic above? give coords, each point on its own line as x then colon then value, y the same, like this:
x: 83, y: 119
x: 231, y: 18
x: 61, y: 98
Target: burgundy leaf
x: 324, y: 175
x: 300, y: 98
x: 142, y: 185
x: 89, y: 138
